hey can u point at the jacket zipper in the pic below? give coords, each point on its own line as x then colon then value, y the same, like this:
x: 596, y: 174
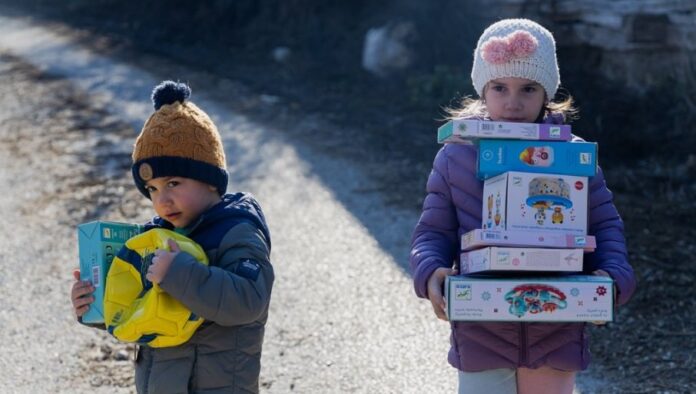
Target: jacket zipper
x: 149, y: 370
x: 193, y: 381
x: 523, y: 344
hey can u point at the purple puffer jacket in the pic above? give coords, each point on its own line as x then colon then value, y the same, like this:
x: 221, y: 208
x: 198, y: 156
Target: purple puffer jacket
x: 452, y: 208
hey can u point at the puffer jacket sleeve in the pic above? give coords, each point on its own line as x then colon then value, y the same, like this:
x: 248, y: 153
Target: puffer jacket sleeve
x: 607, y: 227
x: 434, y: 240
x: 237, y: 290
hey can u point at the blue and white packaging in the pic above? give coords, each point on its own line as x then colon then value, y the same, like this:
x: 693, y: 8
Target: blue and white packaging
x: 523, y: 201
x: 99, y: 242
x: 566, y: 158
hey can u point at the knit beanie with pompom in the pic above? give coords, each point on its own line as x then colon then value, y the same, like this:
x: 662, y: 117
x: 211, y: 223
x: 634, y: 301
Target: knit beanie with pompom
x: 178, y: 139
x: 516, y: 48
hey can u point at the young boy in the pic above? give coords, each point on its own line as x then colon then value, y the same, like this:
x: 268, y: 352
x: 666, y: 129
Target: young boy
x: 179, y: 164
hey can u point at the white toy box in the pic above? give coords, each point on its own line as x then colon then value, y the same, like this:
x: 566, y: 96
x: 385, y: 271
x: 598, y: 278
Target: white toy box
x: 495, y: 258
x: 468, y: 130
x: 523, y: 201
x: 579, y: 298
x: 567, y: 158
x: 99, y: 242
x: 476, y: 239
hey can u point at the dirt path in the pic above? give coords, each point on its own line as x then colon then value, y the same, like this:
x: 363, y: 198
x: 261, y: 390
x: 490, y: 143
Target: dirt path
x: 51, y: 138
x: 345, y: 319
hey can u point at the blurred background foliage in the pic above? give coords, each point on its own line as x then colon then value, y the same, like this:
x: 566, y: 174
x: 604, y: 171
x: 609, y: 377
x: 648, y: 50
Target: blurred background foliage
x: 324, y: 40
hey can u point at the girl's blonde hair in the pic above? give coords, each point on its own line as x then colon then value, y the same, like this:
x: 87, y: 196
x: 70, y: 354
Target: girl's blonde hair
x: 476, y: 108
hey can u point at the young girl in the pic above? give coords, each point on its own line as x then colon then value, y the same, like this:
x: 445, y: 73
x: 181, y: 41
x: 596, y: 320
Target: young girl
x: 515, y: 73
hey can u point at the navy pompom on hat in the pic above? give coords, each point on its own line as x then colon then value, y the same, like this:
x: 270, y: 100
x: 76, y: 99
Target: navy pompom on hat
x: 169, y: 92
x: 178, y: 139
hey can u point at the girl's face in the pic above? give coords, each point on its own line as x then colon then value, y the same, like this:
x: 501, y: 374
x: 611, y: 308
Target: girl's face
x: 514, y: 99
x: 181, y: 200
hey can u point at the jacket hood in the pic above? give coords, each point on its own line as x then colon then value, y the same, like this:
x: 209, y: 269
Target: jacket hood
x: 232, y: 206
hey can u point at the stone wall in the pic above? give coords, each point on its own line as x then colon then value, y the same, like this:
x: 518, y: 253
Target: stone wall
x: 639, y: 42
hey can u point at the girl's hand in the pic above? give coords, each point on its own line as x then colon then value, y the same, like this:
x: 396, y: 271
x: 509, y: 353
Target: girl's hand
x: 161, y: 262
x: 435, y: 290
x: 81, y: 294
x: 605, y: 274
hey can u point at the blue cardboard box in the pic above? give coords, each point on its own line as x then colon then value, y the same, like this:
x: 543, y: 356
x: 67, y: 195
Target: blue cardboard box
x: 99, y: 242
x: 565, y: 158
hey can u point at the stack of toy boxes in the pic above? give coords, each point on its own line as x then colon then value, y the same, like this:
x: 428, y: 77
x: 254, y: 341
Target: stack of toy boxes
x: 534, y: 219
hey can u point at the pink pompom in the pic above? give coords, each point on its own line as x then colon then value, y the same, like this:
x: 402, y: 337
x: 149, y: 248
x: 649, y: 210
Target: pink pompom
x: 521, y: 43
x: 500, y: 50
x: 495, y: 51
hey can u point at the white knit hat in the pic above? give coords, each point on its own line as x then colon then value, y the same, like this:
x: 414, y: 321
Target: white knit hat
x: 516, y: 48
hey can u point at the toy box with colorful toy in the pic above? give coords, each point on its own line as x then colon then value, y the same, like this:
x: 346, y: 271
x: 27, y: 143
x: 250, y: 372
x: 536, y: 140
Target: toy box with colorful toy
x: 528, y: 201
x: 580, y: 298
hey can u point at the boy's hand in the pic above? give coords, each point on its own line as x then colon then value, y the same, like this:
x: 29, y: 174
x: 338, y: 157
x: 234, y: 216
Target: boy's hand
x: 81, y: 294
x: 437, y: 278
x: 161, y: 262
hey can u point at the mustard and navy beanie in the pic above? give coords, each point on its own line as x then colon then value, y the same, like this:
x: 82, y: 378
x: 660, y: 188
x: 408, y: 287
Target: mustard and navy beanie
x: 516, y: 48
x: 178, y: 139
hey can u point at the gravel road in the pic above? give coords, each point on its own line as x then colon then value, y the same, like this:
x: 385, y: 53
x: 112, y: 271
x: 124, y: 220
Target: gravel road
x: 343, y: 316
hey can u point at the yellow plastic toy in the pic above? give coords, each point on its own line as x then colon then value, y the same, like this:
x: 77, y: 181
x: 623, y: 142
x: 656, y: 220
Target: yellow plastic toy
x: 137, y: 310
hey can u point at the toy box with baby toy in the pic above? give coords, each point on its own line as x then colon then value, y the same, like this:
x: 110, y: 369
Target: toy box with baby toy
x: 535, y: 202
x: 566, y: 158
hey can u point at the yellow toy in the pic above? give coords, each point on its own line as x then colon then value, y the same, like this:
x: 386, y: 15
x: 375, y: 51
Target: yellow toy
x: 137, y: 310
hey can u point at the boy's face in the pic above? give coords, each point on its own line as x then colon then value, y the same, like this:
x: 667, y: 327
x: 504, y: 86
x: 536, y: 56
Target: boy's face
x: 514, y: 99
x: 181, y: 200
